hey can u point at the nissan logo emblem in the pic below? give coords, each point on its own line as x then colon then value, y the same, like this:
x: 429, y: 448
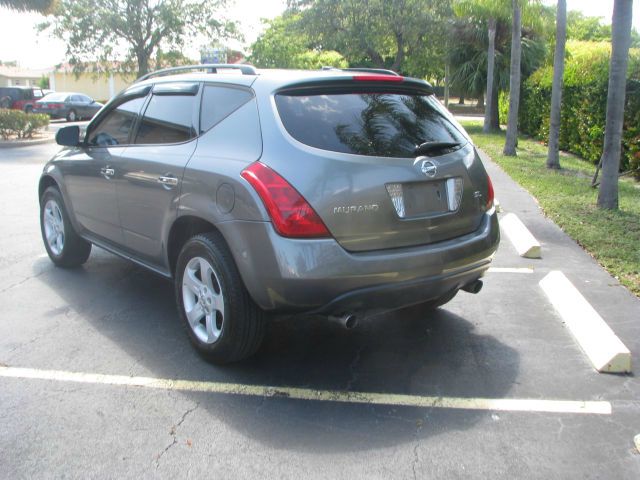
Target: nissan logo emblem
x: 429, y: 168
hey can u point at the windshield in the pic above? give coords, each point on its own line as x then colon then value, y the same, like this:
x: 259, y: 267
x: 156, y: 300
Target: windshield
x: 374, y: 124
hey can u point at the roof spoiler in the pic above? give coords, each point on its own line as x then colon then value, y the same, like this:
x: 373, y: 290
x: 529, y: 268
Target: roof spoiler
x: 208, y: 67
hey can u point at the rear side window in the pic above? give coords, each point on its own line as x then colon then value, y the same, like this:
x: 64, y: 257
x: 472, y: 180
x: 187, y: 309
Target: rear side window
x: 167, y: 119
x: 374, y: 124
x: 116, y: 126
x: 220, y: 102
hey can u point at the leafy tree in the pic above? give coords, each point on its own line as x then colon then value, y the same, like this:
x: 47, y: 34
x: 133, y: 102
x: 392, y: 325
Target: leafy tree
x: 284, y: 45
x: 582, y: 27
x: 610, y: 161
x: 97, y: 30
x: 42, y: 6
x: 378, y: 33
x: 553, y: 155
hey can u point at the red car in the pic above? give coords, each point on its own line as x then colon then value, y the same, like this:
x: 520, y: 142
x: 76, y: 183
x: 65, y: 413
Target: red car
x: 20, y: 98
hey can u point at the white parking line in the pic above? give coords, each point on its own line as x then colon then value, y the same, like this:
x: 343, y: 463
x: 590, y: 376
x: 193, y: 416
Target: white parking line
x: 509, y: 270
x: 492, y: 404
x: 604, y: 349
x: 525, y: 243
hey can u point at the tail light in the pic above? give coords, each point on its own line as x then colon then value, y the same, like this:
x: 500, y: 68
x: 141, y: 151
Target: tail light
x: 291, y: 214
x: 490, y: 193
x: 56, y: 105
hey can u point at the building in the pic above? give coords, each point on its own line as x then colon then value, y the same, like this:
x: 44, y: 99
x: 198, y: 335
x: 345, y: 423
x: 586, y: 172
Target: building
x: 13, y: 76
x: 98, y: 84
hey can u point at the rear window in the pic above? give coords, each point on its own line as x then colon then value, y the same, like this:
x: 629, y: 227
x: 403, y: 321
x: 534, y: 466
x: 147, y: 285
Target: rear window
x: 57, y: 97
x: 374, y: 124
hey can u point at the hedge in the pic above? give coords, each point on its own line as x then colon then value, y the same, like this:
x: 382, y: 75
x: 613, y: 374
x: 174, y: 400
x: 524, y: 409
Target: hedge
x: 584, y: 103
x: 16, y: 123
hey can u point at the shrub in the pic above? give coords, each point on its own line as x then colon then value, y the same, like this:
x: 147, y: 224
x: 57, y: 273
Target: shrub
x: 584, y: 103
x: 20, y: 124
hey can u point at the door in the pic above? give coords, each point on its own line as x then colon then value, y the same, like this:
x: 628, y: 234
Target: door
x: 91, y: 172
x: 153, y: 167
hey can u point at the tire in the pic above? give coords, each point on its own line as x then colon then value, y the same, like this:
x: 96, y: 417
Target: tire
x: 65, y: 247
x: 28, y: 109
x: 5, y: 102
x: 72, y: 116
x: 440, y: 301
x: 227, y: 325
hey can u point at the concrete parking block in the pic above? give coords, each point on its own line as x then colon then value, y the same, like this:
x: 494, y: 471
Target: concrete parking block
x: 605, y: 350
x: 522, y: 239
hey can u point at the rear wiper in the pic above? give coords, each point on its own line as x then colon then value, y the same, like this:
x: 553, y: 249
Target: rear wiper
x: 429, y: 147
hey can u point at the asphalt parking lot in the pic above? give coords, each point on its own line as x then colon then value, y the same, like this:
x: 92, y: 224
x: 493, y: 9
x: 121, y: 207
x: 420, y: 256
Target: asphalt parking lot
x: 119, y: 321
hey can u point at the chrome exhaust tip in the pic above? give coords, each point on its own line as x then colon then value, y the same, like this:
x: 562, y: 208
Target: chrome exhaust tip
x: 348, y: 320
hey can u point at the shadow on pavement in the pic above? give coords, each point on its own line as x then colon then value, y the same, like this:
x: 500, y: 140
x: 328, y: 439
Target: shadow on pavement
x: 407, y: 352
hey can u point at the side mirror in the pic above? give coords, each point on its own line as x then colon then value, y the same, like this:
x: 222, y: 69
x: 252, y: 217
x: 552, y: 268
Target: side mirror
x: 68, y: 136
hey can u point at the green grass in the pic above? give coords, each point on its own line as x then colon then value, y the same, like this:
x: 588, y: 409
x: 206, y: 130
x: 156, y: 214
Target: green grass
x: 611, y: 237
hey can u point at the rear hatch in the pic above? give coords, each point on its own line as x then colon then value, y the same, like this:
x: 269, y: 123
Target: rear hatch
x: 354, y: 159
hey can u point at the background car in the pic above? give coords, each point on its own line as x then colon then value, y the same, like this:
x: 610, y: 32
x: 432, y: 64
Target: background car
x: 19, y: 97
x: 69, y: 105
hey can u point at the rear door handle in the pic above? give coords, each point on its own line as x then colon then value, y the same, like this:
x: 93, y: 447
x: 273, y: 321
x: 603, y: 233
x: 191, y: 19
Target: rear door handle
x: 107, y: 172
x: 168, y: 181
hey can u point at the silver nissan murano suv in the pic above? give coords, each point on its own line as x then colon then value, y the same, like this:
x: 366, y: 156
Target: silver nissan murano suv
x: 339, y: 192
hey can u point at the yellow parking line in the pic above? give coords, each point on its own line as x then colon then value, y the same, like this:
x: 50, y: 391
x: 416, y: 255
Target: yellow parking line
x: 493, y: 404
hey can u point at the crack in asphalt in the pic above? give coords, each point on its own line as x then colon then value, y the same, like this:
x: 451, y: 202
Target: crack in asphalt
x: 24, y: 280
x: 174, y: 433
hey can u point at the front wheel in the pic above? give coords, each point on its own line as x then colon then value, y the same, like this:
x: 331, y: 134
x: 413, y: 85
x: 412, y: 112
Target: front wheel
x: 221, y: 319
x: 64, y: 246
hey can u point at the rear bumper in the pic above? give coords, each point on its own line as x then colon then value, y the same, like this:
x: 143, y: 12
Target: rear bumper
x: 289, y: 275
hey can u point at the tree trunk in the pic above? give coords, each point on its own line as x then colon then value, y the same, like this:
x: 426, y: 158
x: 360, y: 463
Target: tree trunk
x: 143, y: 62
x: 514, y: 81
x: 494, y: 120
x: 620, y: 40
x: 461, y: 99
x: 480, y: 103
x: 446, y: 84
x: 553, y: 155
x: 491, y: 60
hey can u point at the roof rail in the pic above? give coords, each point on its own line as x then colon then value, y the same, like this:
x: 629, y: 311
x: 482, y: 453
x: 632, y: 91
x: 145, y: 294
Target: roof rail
x: 380, y: 71
x: 210, y: 67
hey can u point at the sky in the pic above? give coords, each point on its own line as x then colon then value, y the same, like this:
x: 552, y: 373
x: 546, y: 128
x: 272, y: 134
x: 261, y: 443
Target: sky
x: 19, y: 40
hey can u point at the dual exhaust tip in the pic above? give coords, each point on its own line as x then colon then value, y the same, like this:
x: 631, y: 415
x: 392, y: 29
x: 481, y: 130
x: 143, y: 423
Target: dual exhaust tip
x: 350, y: 320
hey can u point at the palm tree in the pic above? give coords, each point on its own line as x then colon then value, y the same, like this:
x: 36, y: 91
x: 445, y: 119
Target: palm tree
x: 610, y: 160
x: 514, y: 82
x: 553, y: 156
x: 490, y: 11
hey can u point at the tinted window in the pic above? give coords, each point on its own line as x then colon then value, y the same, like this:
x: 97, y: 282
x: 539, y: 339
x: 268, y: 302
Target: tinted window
x: 220, y: 102
x: 168, y: 119
x: 114, y: 129
x: 375, y: 124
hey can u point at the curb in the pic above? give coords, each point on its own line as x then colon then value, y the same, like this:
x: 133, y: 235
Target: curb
x: 605, y: 350
x: 28, y: 143
x: 521, y: 238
